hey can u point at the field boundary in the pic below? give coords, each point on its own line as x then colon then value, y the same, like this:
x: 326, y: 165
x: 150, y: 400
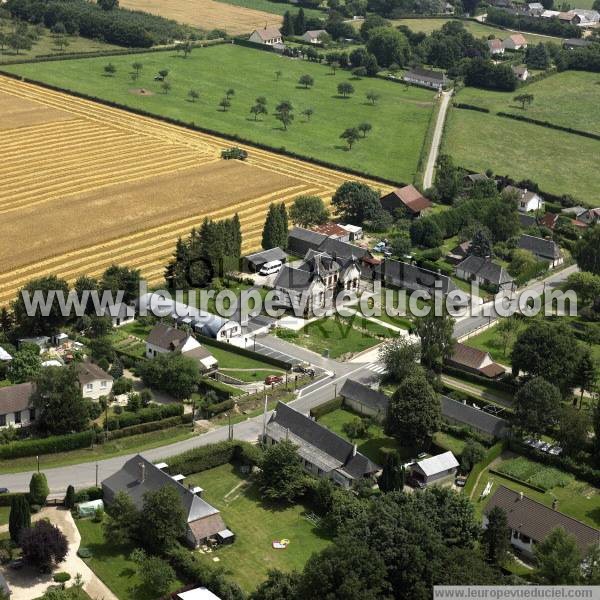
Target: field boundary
x: 197, y: 128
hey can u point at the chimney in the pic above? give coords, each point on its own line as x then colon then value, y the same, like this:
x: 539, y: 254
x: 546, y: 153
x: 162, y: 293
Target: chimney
x: 354, y: 450
x: 142, y: 472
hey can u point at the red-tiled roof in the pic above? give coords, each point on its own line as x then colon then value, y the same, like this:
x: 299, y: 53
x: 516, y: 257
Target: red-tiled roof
x: 331, y: 229
x: 411, y: 198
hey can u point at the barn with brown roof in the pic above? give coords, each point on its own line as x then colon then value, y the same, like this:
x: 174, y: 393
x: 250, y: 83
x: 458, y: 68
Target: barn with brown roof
x: 475, y: 361
x: 408, y: 198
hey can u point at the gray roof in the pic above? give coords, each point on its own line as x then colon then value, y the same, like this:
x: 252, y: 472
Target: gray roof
x: 359, y: 392
x: 128, y: 480
x: 14, y: 398
x: 333, y: 451
x: 301, y: 240
x: 527, y: 221
x: 486, y: 269
x: 411, y: 277
x: 577, y: 43
x: 546, y: 249
x: 167, y: 337
x: 426, y: 74
x: 265, y: 256
x: 313, y: 238
x: 473, y: 417
x: 290, y: 278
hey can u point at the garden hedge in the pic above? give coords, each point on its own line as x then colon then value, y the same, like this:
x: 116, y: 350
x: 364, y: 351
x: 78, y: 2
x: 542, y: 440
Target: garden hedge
x: 220, y: 407
x: 535, y: 488
x: 492, y: 454
x: 144, y: 415
x: 326, y: 408
x: 6, y: 499
x: 471, y: 107
x: 222, y: 390
x: 508, y: 384
x: 167, y: 423
x: 48, y: 445
x: 549, y: 125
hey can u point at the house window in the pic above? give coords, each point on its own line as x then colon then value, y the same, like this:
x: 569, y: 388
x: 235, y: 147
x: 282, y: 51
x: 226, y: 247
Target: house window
x: 89, y: 387
x: 32, y: 414
x: 2, y: 420
x: 18, y: 417
x: 103, y: 384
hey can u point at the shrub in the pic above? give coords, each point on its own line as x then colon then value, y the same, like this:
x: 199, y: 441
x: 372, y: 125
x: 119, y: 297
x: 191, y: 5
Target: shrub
x: 38, y: 489
x: 69, y: 500
x: 61, y: 577
x: 220, y: 407
x: 87, y: 494
x: 49, y: 445
x: 145, y: 415
x: 84, y: 552
x: 234, y: 154
x: 123, y: 385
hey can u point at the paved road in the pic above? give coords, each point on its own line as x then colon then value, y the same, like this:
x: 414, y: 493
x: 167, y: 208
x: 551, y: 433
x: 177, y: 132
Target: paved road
x: 486, y: 314
x: 84, y: 474
x: 437, y: 140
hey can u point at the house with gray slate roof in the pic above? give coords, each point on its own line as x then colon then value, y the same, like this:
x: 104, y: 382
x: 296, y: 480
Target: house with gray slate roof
x: 485, y: 272
x: 139, y: 476
x: 461, y: 413
x: 322, y: 452
x: 531, y: 522
x: 547, y: 250
x: 410, y: 277
x: 364, y: 400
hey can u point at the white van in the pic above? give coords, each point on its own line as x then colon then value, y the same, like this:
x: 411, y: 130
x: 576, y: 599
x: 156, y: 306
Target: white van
x: 273, y: 266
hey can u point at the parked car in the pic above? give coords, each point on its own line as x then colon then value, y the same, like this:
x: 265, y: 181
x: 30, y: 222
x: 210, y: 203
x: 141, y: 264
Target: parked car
x: 305, y: 369
x: 273, y: 379
x: 4, y: 490
x: 460, y: 481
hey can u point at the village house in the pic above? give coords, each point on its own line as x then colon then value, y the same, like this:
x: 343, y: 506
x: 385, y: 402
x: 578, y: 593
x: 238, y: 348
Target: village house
x: 120, y: 314
x: 516, y: 41
x: 15, y: 405
x: 314, y: 36
x: 463, y: 414
x: 535, y: 9
x: 333, y: 231
x: 426, y: 78
x: 474, y: 361
x: 547, y: 250
x: 587, y: 18
x: 569, y: 18
x: 322, y: 452
x: 531, y: 522
x: 590, y: 216
x: 485, y: 272
x: 364, y: 400
x: 435, y: 470
x: 528, y: 201
x: 495, y: 46
x: 521, y: 72
x: 268, y: 36
x: 313, y: 284
x: 576, y: 43
x: 94, y: 381
x: 402, y: 275
x: 549, y: 220
x: 355, y: 232
x: 459, y: 252
x: 406, y: 200
x: 165, y: 338
x: 139, y: 476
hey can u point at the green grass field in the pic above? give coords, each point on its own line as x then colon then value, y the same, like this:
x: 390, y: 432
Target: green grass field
x: 4, y: 514
x: 277, y: 8
x: 576, y: 498
x: 112, y: 564
x: 570, y: 99
x: 256, y: 525
x: 46, y: 44
x: 477, y: 29
x: 399, y: 119
x: 561, y: 163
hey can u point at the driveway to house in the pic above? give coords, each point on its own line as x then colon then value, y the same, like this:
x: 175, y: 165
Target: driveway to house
x: 437, y: 140
x: 28, y: 584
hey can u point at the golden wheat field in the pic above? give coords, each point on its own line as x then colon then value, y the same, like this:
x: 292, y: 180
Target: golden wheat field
x: 85, y: 185
x: 207, y: 14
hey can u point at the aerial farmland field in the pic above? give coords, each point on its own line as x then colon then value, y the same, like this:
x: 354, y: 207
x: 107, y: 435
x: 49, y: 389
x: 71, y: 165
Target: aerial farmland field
x: 400, y: 117
x: 208, y: 14
x: 85, y: 185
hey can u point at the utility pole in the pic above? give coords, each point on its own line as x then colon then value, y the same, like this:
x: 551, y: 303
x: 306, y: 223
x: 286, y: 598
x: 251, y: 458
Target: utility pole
x: 264, y: 434
x: 38, y: 463
x: 96, y: 474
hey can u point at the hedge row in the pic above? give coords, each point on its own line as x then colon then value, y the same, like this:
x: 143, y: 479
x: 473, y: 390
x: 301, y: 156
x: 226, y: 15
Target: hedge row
x: 144, y: 415
x: 207, y: 457
x: 326, y: 408
x: 579, y: 469
x: 49, y: 445
x: 464, y: 432
x: 6, y: 499
x: 492, y: 454
x: 587, y: 134
x: 281, y: 364
x: 220, y: 407
x: 193, y: 127
x: 222, y: 390
x: 507, y: 385
x: 471, y: 107
x: 148, y: 427
x: 87, y: 494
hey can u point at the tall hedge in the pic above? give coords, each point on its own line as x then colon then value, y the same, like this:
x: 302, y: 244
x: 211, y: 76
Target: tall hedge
x: 38, y: 489
x: 145, y: 415
x: 49, y: 445
x: 19, y: 518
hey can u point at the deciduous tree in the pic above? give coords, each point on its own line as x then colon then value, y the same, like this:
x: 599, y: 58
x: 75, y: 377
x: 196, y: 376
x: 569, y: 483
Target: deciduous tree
x: 537, y: 406
x: 281, y: 476
x: 44, y: 545
x: 307, y: 211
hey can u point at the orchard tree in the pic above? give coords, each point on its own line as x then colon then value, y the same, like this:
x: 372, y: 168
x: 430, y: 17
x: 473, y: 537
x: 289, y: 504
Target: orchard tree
x: 524, y: 99
x: 373, y: 97
x: 193, y: 95
x: 414, y: 412
x: 110, y: 69
x: 364, y: 128
x: 44, y: 545
x: 345, y: 89
x: 281, y: 476
x: 350, y: 135
x: 307, y: 211
x: 225, y: 103
x: 284, y: 113
x: 258, y: 109
x: 308, y: 113
x: 306, y: 81
x: 537, y: 406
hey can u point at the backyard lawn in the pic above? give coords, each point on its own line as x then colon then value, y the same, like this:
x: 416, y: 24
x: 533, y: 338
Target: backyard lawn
x: 242, y: 367
x: 561, y: 163
x: 576, y: 498
x: 256, y: 525
x: 569, y: 99
x: 111, y: 563
x: 399, y: 114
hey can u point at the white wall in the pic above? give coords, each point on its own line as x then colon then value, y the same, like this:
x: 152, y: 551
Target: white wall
x: 97, y: 388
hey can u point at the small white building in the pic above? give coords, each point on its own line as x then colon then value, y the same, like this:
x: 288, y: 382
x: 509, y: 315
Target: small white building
x: 528, y: 201
x: 4, y: 355
x: 314, y: 36
x: 94, y: 381
x: 268, y: 36
x: 120, y: 314
x: 495, y: 46
x: 435, y: 469
x: 200, y: 593
x: 354, y: 232
x: 15, y: 405
x: 521, y: 72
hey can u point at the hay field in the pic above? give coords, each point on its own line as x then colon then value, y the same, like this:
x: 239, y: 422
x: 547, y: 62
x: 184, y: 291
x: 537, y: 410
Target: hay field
x: 85, y: 186
x: 207, y: 14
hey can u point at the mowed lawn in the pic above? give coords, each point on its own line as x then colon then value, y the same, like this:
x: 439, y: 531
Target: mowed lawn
x: 256, y: 525
x: 399, y: 119
x: 569, y: 99
x: 561, y: 163
x: 477, y: 29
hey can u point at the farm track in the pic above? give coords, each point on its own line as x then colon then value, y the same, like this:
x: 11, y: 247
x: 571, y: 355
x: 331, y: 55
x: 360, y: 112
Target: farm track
x: 103, y: 146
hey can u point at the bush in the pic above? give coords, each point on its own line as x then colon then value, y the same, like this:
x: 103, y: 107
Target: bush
x: 234, y: 154
x: 145, y: 415
x: 326, y: 408
x: 38, y: 489
x: 123, y: 385
x: 61, y: 577
x: 220, y: 407
x: 49, y: 445
x: 84, y: 552
x: 87, y: 494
